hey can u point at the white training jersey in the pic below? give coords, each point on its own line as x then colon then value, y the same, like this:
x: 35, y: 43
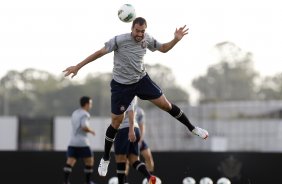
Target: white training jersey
x: 79, y: 138
x: 132, y: 106
x: 129, y: 55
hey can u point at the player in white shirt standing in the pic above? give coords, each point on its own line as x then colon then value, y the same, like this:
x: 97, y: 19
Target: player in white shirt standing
x: 79, y: 145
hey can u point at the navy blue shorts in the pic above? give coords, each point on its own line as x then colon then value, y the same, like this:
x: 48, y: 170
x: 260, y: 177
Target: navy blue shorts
x: 79, y: 152
x: 123, y: 146
x: 143, y: 146
x: 123, y: 94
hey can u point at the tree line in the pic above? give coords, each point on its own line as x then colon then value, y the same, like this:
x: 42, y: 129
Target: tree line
x: 35, y: 92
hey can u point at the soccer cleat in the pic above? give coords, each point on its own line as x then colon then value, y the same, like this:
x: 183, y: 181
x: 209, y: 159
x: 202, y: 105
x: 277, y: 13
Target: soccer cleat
x: 152, y: 180
x: 103, y: 167
x: 200, y: 132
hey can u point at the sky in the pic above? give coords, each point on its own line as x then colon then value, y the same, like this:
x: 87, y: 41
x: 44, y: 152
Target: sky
x: 52, y: 35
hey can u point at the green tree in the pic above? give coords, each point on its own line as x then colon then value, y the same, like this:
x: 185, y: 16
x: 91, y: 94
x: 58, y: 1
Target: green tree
x: 99, y: 87
x: 271, y: 88
x: 38, y: 93
x: 23, y: 92
x: 233, y: 78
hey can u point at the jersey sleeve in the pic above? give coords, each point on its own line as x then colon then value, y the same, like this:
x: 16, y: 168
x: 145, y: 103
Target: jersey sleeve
x: 153, y: 44
x: 85, y: 121
x: 111, y: 45
x: 140, y: 116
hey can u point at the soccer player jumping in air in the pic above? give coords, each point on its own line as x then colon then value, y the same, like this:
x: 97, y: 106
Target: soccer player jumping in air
x: 131, y: 79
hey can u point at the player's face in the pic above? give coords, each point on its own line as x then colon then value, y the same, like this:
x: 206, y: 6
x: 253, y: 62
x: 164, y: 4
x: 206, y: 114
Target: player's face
x: 90, y: 104
x: 138, y: 32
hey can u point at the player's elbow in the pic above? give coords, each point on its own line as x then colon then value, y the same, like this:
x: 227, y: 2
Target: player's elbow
x: 163, y: 49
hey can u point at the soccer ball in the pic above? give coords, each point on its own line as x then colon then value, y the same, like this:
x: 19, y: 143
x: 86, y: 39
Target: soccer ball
x: 223, y: 180
x: 188, y: 180
x: 158, y: 181
x: 206, y: 180
x: 126, y: 13
x: 113, y: 180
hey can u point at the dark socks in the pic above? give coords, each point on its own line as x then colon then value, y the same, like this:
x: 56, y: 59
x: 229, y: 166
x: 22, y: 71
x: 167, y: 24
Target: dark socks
x: 121, y: 172
x: 140, y: 167
x: 125, y: 179
x: 67, y: 172
x: 109, y: 139
x: 88, y: 170
x: 180, y: 116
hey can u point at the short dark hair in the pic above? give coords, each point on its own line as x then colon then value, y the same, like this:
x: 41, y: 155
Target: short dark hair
x: 139, y: 20
x: 84, y: 100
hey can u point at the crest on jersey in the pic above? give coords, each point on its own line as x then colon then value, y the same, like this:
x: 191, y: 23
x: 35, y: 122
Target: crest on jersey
x: 144, y: 44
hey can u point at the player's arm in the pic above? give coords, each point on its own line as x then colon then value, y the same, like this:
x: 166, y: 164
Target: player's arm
x: 131, y: 133
x: 178, y: 35
x: 85, y: 125
x: 88, y: 130
x: 74, y: 69
x: 142, y: 130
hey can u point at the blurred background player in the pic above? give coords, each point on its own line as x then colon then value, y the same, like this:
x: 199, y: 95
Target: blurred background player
x: 126, y: 146
x: 144, y: 149
x: 79, y: 145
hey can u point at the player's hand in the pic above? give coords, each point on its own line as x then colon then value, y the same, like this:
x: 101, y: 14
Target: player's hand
x: 71, y: 70
x: 131, y: 136
x: 93, y: 133
x: 179, y: 33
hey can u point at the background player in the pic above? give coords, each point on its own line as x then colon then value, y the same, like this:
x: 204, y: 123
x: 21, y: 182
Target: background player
x: 126, y: 146
x: 145, y: 151
x: 79, y: 145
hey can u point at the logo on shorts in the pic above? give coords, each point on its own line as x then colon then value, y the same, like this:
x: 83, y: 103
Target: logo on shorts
x: 122, y: 108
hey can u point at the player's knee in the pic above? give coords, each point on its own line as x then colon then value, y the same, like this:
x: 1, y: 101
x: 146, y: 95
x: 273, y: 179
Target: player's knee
x: 117, y: 120
x: 162, y: 103
x: 121, y: 158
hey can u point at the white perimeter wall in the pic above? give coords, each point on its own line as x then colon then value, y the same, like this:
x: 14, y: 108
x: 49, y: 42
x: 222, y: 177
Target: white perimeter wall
x: 8, y: 133
x: 62, y: 130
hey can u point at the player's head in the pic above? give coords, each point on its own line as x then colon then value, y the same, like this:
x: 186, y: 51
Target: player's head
x: 138, y: 28
x: 86, y: 102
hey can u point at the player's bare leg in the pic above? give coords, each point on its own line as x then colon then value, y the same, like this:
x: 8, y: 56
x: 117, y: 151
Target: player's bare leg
x: 146, y: 153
